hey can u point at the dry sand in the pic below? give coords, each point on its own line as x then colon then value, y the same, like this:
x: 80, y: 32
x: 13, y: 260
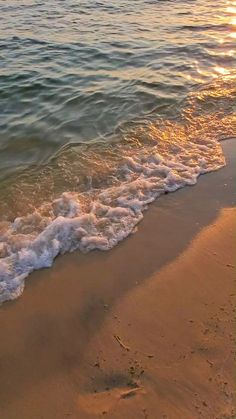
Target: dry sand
x: 143, y: 331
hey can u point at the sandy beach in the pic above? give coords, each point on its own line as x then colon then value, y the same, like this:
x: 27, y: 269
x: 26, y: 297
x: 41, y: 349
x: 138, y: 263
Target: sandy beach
x: 146, y: 330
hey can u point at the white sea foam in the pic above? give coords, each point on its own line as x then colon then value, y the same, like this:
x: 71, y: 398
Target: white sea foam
x: 33, y: 241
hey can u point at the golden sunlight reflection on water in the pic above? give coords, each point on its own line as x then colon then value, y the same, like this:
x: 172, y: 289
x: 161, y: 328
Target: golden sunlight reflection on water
x: 221, y: 70
x: 231, y: 10
x: 229, y: 18
x: 221, y: 56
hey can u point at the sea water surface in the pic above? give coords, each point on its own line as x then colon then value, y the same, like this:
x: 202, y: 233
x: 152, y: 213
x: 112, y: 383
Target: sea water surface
x: 104, y: 106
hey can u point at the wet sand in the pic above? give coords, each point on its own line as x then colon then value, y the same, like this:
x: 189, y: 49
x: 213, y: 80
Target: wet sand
x: 143, y: 331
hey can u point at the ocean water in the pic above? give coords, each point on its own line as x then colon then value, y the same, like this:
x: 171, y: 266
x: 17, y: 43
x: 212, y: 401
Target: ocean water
x: 104, y: 106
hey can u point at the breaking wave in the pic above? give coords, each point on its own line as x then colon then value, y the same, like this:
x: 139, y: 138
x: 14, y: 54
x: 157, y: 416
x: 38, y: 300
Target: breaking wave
x: 107, y: 188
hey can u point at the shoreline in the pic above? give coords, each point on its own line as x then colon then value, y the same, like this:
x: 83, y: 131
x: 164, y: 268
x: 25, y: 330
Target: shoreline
x: 68, y: 343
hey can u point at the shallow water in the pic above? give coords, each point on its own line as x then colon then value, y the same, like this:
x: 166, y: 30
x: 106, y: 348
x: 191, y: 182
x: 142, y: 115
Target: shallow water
x: 104, y: 106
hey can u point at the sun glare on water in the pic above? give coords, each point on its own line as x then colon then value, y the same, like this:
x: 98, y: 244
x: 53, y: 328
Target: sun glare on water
x: 231, y: 10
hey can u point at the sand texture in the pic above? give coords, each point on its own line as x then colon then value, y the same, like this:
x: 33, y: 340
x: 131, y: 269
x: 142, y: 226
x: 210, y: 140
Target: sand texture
x: 146, y: 330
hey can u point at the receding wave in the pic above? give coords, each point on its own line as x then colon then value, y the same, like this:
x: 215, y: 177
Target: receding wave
x: 93, y: 197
